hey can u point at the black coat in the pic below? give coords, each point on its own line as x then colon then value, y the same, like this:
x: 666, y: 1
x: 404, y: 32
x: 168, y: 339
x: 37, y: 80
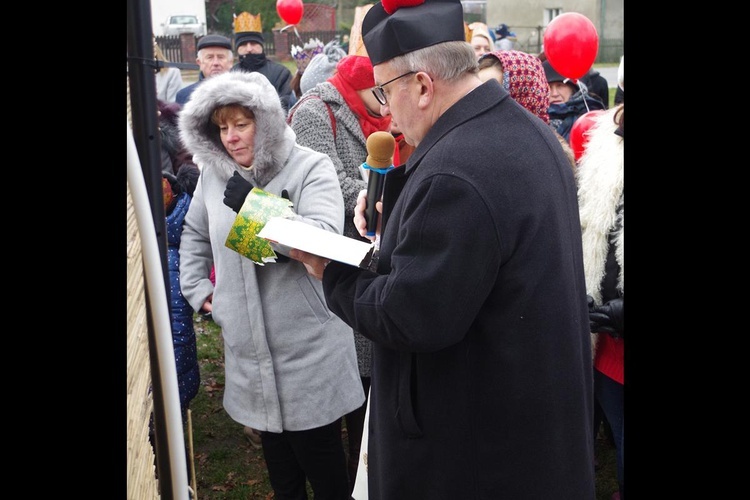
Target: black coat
x: 481, y: 376
x: 278, y: 74
x: 597, y: 85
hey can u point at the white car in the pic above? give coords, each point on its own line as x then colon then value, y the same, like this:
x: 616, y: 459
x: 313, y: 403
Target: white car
x: 184, y: 23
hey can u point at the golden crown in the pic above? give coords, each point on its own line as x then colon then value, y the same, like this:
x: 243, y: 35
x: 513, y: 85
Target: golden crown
x: 247, y: 22
x: 356, y: 44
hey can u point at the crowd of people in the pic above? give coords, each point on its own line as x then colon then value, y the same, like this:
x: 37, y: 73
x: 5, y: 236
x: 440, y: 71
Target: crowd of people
x: 481, y: 353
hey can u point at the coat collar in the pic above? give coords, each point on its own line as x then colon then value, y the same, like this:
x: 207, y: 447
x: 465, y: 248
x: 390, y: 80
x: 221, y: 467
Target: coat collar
x: 476, y: 102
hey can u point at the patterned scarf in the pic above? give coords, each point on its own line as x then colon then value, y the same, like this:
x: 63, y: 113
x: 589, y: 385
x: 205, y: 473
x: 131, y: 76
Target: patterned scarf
x: 523, y: 78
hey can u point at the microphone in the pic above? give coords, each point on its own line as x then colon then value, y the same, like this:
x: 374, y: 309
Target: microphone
x: 380, y: 147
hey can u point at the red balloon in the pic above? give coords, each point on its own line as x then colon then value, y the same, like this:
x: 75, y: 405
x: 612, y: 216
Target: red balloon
x: 290, y: 10
x: 579, y: 136
x: 571, y: 44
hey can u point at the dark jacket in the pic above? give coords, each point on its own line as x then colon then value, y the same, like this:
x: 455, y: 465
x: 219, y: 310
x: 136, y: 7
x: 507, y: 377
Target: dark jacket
x: 278, y: 74
x: 183, y: 334
x: 481, y: 374
x: 562, y: 116
x: 597, y: 85
x: 619, y: 96
x: 184, y: 93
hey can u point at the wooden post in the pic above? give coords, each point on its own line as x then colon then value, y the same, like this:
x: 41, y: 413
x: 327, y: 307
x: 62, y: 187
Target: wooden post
x: 187, y: 44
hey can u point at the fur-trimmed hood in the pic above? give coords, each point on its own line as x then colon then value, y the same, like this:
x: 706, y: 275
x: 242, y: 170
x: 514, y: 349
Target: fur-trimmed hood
x: 600, y: 177
x: 274, y: 139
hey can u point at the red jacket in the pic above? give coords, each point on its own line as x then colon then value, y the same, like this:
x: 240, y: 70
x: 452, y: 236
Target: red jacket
x: 610, y: 357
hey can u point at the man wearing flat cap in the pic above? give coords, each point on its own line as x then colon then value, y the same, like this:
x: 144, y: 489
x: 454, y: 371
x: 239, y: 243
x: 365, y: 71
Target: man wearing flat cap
x: 481, y: 382
x: 214, y: 57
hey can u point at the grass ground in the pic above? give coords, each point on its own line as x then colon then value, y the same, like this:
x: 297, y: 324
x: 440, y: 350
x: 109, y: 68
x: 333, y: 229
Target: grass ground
x: 228, y: 468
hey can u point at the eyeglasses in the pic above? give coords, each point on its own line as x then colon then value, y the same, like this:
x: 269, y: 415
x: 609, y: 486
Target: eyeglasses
x: 377, y: 90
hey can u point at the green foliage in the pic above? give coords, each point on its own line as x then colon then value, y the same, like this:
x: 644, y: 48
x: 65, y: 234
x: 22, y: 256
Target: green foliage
x: 226, y: 12
x: 266, y: 8
x: 227, y: 467
x: 224, y: 16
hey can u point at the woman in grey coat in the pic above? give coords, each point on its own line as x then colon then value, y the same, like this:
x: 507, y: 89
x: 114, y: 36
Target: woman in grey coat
x: 291, y: 366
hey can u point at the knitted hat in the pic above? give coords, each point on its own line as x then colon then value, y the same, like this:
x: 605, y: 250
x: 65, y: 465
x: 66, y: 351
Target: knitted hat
x: 322, y: 66
x: 395, y: 27
x: 247, y: 28
x: 214, y: 41
x: 248, y: 36
x: 502, y: 30
x: 554, y: 76
x: 357, y: 71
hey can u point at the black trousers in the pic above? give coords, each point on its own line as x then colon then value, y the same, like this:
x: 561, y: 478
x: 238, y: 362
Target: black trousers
x: 315, y: 455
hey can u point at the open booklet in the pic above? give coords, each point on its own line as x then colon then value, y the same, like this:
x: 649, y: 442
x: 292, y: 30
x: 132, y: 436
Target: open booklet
x: 285, y: 234
x: 265, y: 226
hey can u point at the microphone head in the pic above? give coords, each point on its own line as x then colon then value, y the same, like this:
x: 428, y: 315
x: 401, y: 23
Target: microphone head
x: 380, y: 147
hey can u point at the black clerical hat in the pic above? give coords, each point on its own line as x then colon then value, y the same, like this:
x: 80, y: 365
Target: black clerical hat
x: 395, y: 27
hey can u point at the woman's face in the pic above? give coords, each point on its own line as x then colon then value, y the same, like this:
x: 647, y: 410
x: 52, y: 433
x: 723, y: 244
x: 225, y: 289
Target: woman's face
x: 480, y: 45
x: 238, y: 137
x: 559, y: 92
x: 372, y: 104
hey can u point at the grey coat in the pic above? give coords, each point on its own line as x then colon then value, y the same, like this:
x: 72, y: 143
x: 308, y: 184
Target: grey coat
x: 312, y: 124
x: 290, y: 363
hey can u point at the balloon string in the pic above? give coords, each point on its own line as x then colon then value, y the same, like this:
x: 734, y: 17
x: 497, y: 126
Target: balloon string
x: 584, y: 94
x: 294, y: 26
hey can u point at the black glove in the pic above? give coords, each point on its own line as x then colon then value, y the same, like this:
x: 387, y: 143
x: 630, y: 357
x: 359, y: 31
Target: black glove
x: 283, y: 258
x: 236, y: 192
x: 607, y: 318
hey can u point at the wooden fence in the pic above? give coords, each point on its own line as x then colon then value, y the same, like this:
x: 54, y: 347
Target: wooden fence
x: 277, y: 45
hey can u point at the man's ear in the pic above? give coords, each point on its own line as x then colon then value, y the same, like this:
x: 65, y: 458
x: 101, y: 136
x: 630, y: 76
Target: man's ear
x: 426, y: 90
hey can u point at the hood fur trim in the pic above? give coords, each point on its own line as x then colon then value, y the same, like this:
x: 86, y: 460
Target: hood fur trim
x: 600, y: 177
x: 274, y: 139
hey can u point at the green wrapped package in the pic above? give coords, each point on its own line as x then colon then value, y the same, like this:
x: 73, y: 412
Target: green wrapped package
x: 258, y: 208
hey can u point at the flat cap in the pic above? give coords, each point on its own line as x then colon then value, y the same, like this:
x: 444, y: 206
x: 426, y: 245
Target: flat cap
x: 214, y: 41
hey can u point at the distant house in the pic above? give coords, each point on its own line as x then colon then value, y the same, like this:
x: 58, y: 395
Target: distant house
x: 527, y: 19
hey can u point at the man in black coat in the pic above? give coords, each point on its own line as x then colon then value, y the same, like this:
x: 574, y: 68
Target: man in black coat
x: 482, y: 375
x: 249, y: 46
